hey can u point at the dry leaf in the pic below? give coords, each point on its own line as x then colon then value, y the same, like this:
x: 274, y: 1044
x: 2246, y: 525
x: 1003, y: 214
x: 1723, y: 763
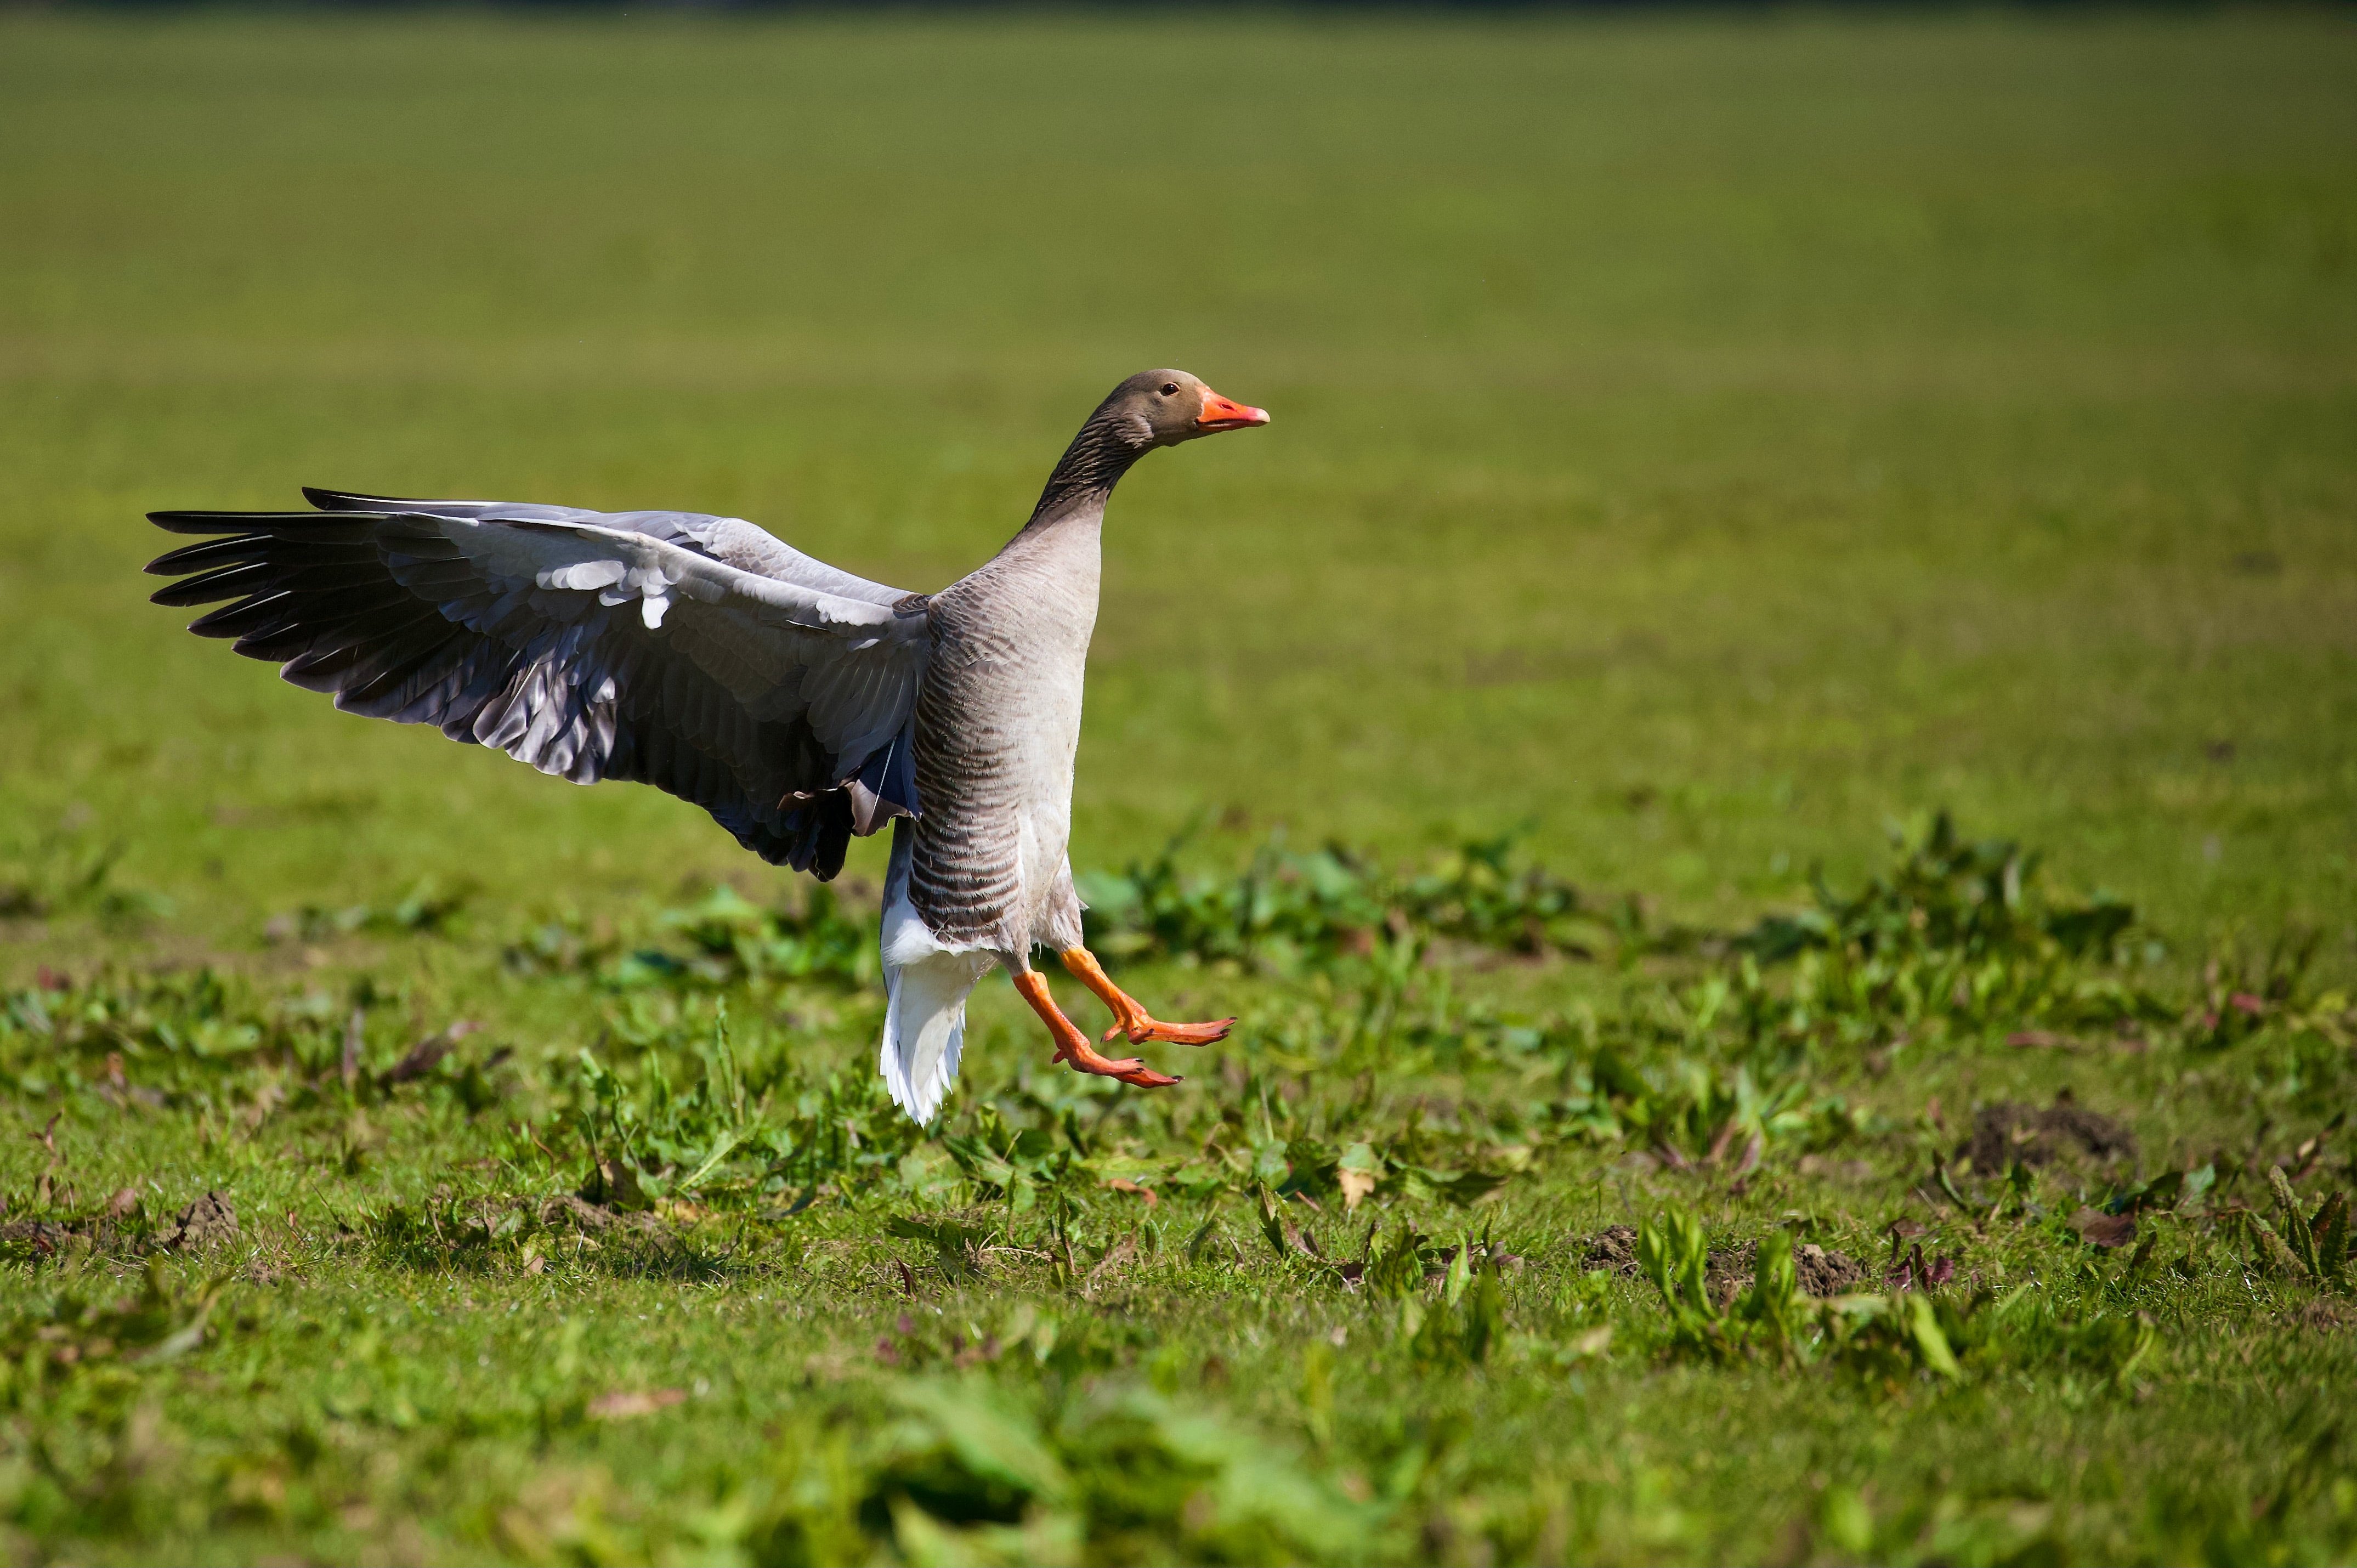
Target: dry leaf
x: 2100, y: 1229
x: 1122, y: 1184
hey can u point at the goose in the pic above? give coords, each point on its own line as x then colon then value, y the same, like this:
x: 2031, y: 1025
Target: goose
x: 799, y: 705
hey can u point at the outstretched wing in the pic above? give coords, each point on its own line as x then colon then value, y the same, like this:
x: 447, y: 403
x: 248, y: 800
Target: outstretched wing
x: 698, y: 655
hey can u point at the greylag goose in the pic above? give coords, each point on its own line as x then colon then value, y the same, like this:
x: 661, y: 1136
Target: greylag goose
x: 799, y: 704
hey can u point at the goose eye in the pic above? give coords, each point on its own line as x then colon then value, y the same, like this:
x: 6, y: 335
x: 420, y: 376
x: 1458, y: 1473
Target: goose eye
x: 1169, y: 389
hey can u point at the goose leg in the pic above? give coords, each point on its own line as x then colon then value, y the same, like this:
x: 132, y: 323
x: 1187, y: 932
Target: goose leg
x: 1073, y: 1046
x: 1130, y: 1016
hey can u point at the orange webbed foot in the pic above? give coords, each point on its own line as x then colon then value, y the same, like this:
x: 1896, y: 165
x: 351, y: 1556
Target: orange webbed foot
x: 1128, y: 1070
x: 1072, y: 1048
x: 1130, y: 1018
x: 1140, y: 1027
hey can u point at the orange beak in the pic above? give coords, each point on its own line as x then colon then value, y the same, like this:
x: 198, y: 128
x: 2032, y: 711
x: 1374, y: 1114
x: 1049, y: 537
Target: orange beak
x: 1226, y: 413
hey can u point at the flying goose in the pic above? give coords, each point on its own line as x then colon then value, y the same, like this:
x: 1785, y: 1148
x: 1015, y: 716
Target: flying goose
x: 797, y: 704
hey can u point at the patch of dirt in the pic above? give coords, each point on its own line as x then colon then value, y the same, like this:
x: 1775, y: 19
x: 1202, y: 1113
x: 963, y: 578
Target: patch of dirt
x: 1825, y: 1273
x: 1820, y: 1273
x: 1817, y: 1272
x: 585, y: 1214
x: 2010, y: 1131
x: 590, y: 1219
x: 208, y: 1222
x: 1613, y: 1248
x: 47, y: 1238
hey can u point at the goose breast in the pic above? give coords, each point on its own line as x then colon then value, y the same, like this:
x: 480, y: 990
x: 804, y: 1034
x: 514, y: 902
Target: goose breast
x: 998, y: 723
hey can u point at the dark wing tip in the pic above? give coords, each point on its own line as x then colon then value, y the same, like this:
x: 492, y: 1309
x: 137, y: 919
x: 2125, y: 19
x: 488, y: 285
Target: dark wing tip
x: 351, y: 500
x: 202, y: 521
x: 245, y: 615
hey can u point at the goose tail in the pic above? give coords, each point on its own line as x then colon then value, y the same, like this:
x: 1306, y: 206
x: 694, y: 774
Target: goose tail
x: 927, y: 984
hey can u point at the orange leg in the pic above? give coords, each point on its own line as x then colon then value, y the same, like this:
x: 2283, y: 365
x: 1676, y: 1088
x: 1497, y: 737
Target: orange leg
x: 1129, y: 1016
x: 1072, y: 1047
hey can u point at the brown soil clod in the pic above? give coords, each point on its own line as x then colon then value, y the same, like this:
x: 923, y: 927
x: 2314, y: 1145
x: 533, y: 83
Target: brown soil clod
x: 2010, y: 1131
x: 208, y: 1222
x: 1612, y: 1249
x: 1819, y: 1273
x: 45, y: 1237
x: 584, y: 1215
x: 590, y: 1219
x: 1823, y: 1273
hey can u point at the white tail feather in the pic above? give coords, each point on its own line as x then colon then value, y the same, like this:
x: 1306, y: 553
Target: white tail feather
x: 924, y: 1028
x: 924, y: 1024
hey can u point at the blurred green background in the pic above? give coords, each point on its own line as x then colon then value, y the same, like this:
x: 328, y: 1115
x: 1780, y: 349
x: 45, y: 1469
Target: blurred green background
x: 1704, y: 437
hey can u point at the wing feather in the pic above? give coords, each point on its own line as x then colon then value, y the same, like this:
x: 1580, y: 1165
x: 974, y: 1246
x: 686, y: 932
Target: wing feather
x: 698, y: 655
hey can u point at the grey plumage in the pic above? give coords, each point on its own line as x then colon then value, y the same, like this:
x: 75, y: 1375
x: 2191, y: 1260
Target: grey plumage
x: 998, y: 722
x: 799, y: 704
x: 694, y: 653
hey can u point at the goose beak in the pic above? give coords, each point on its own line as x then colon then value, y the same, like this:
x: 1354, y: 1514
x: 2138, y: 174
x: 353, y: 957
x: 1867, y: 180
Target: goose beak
x: 1226, y: 413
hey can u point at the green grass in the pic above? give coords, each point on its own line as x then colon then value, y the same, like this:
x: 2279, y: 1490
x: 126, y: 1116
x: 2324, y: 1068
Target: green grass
x: 1703, y: 440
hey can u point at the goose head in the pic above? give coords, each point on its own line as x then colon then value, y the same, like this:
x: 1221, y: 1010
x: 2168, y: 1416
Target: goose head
x: 1153, y: 408
x: 1162, y: 408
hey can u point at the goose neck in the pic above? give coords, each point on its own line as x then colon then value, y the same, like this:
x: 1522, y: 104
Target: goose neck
x: 1083, y: 480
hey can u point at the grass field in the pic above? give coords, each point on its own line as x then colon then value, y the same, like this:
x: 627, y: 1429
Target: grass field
x: 1702, y: 444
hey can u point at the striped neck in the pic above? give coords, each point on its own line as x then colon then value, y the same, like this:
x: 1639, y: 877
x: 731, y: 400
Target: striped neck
x: 1096, y: 461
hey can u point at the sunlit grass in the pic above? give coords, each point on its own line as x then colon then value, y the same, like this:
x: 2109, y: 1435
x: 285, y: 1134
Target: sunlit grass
x: 1698, y: 442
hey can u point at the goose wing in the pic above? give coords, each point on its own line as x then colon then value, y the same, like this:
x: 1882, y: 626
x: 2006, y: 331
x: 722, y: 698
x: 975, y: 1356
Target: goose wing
x: 698, y: 655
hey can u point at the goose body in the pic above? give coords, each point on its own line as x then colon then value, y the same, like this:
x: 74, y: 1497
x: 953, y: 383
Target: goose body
x: 799, y: 704
x: 983, y: 874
